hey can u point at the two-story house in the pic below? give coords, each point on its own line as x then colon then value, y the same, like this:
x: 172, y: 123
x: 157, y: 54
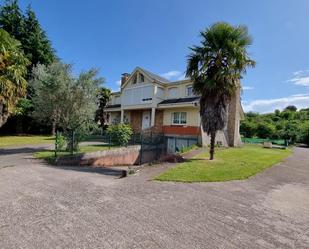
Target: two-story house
x: 149, y: 102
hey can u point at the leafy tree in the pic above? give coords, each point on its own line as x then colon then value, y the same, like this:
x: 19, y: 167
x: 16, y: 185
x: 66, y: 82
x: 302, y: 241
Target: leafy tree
x: 13, y: 66
x: 265, y: 130
x: 216, y: 67
x: 248, y: 128
x: 103, y: 96
x: 69, y: 103
x: 291, y: 108
x: 290, y: 132
x: 50, y: 84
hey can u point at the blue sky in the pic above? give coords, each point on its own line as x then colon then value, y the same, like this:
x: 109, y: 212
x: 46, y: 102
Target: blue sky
x: 116, y: 36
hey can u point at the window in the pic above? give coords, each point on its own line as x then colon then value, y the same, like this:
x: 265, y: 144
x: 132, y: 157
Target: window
x: 142, y: 78
x: 134, y: 79
x: 179, y: 118
x: 189, y: 91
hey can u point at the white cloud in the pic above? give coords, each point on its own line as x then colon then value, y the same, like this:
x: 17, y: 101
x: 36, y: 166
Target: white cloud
x: 118, y: 82
x: 269, y: 105
x: 247, y: 87
x: 301, y: 78
x: 172, y: 75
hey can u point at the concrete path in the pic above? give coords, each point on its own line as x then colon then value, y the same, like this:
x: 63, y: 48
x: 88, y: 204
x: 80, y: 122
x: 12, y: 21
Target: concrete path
x: 49, y: 207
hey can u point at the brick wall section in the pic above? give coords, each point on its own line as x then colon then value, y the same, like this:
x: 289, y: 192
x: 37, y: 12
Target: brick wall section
x: 158, y: 127
x: 136, y: 120
x: 181, y: 130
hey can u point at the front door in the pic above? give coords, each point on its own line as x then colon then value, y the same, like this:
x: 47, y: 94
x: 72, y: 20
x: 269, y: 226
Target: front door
x: 146, y: 120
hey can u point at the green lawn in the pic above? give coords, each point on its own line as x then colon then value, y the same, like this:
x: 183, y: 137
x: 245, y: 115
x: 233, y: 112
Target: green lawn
x: 229, y: 164
x: 49, y: 155
x: 7, y: 141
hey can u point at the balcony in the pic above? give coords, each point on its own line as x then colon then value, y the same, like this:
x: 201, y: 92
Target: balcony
x: 139, y: 95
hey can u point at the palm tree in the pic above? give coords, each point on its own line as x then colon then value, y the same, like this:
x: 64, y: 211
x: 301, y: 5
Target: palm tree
x: 216, y: 67
x: 13, y: 68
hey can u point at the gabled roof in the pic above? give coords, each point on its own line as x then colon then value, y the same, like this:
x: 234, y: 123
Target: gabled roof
x: 152, y: 76
x: 155, y: 77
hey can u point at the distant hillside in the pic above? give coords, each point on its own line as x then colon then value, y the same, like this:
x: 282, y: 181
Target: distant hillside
x: 290, y: 124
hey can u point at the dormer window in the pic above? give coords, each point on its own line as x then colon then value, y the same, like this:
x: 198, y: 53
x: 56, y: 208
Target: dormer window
x: 142, y: 78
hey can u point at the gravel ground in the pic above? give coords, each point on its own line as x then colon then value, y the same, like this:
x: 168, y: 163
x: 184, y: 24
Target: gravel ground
x: 51, y: 207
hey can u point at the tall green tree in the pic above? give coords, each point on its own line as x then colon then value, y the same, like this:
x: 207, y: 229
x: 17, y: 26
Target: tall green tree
x: 13, y: 68
x: 216, y: 67
x: 35, y: 43
x: 27, y: 29
x: 103, y: 97
x: 12, y: 19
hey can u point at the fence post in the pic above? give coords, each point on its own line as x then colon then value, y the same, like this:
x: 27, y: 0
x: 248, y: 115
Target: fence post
x: 56, y: 144
x: 72, y: 142
x: 141, y: 153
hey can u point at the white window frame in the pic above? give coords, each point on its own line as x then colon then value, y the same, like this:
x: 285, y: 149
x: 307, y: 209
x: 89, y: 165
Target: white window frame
x: 181, y: 119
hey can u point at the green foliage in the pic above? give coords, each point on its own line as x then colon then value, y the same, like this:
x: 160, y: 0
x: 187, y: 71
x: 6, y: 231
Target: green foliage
x: 265, y: 130
x: 13, y: 65
x: 101, y: 115
x: 27, y: 29
x: 64, y: 100
x: 120, y: 133
x: 288, y: 124
x: 291, y: 108
x: 216, y: 67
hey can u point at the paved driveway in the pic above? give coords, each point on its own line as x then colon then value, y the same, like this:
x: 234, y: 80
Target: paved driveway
x: 48, y: 207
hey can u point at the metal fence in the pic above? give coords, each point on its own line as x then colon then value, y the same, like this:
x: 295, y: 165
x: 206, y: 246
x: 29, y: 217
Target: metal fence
x: 153, y: 145
x: 262, y: 140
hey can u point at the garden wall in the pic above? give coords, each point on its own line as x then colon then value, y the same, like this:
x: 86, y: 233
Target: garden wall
x: 115, y: 157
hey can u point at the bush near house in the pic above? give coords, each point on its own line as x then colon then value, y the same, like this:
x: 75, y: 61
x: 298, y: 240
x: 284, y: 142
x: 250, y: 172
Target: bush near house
x: 120, y: 134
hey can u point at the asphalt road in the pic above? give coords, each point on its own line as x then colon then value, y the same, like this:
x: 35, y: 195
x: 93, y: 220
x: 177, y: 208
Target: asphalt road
x: 49, y: 207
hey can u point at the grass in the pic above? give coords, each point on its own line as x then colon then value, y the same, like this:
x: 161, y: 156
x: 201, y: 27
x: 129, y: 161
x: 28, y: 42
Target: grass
x: 49, y: 155
x: 7, y: 141
x: 229, y: 164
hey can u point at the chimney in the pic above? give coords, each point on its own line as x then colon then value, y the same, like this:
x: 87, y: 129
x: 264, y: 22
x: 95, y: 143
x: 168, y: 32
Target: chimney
x: 124, y: 78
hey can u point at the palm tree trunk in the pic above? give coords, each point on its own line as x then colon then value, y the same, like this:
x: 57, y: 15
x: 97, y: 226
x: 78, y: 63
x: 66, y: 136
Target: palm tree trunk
x: 212, y: 144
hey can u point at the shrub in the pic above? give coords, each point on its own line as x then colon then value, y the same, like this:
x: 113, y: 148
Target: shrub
x: 120, y: 134
x: 265, y: 130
